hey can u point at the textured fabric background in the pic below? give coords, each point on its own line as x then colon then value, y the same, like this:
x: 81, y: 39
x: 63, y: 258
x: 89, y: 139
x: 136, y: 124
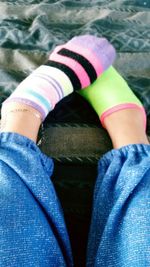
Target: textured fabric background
x: 29, y: 30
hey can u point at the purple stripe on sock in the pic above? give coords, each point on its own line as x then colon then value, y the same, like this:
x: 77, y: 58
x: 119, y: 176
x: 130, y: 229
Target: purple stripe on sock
x: 61, y: 89
x: 27, y: 102
x: 47, y: 78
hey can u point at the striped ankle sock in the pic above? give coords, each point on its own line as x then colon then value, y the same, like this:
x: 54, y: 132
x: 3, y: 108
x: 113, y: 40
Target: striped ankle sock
x: 72, y: 66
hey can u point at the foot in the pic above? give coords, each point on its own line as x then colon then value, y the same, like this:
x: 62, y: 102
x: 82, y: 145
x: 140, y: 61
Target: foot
x: 120, y: 111
x: 74, y: 65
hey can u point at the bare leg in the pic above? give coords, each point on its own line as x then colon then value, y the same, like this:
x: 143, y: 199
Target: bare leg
x: 126, y: 127
x: 26, y: 121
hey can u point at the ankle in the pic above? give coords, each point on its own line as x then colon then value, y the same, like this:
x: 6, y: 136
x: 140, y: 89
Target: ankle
x: 126, y: 127
x: 21, y: 119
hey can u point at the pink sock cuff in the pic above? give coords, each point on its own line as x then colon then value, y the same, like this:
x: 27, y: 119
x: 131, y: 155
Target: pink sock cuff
x: 74, y: 65
x: 121, y: 107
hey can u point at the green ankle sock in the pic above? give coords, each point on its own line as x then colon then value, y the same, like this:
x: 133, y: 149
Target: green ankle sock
x: 110, y: 93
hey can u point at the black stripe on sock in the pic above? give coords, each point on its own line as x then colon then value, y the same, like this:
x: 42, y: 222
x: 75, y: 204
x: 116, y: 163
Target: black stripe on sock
x: 83, y: 62
x: 69, y: 72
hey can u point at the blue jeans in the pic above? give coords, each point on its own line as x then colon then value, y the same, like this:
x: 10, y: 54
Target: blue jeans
x: 32, y: 226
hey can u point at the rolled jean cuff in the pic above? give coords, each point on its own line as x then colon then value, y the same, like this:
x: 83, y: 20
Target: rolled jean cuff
x: 119, y: 233
x: 15, y: 141
x: 141, y: 150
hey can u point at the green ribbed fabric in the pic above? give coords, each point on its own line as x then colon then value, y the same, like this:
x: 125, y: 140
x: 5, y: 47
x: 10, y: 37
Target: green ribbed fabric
x: 108, y: 91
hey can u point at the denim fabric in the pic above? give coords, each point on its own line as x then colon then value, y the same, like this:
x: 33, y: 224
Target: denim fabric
x: 120, y: 228
x: 32, y: 227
